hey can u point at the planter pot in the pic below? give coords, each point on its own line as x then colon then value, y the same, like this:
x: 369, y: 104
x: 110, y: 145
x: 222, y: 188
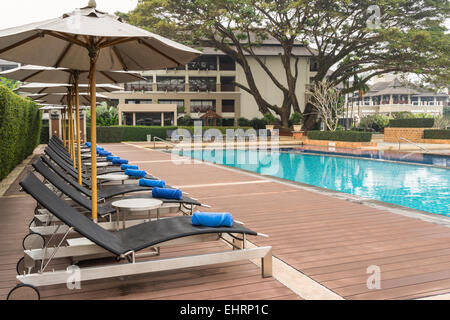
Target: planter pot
x: 297, y: 127
x: 270, y: 127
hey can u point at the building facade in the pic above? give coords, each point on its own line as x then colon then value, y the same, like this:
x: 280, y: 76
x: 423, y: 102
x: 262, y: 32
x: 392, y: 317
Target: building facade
x: 388, y: 95
x: 208, y: 84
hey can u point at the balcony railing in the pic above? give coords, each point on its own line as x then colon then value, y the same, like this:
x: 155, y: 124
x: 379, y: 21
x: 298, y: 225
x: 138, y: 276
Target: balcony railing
x: 170, y: 87
x: 138, y: 87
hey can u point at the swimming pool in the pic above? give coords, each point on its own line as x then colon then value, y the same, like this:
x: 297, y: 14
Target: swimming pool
x: 419, y: 187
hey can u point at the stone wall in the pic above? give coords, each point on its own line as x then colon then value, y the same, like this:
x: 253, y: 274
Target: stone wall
x: 412, y: 134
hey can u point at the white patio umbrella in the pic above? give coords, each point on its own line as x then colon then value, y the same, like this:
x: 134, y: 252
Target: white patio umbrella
x: 87, y: 39
x: 38, y: 74
x: 40, y: 88
x: 31, y: 73
x: 67, y: 99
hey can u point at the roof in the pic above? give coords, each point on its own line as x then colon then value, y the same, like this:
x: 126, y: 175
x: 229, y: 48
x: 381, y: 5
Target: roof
x: 396, y: 86
x: 266, y: 50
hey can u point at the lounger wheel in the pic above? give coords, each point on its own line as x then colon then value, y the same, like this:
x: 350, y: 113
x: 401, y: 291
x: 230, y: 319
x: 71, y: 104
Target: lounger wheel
x: 24, y: 292
x: 21, y: 270
x: 33, y: 241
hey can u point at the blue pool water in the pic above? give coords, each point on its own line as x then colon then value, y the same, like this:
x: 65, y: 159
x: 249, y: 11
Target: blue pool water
x: 418, y: 187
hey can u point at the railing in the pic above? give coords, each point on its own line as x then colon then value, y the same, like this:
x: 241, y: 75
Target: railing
x: 167, y: 143
x: 415, y: 144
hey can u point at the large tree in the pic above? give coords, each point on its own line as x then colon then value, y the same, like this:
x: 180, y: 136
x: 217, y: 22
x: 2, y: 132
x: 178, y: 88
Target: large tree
x: 381, y: 36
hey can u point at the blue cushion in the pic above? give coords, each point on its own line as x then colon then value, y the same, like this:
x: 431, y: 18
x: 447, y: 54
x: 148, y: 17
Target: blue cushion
x: 128, y: 166
x: 152, y: 183
x: 212, y: 219
x: 88, y: 144
x: 111, y: 158
x: 104, y: 153
x: 119, y: 161
x: 167, y: 193
x: 135, y: 173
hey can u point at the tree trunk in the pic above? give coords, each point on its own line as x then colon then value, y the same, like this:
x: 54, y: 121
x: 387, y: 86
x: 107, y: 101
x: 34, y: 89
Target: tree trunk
x: 309, y: 117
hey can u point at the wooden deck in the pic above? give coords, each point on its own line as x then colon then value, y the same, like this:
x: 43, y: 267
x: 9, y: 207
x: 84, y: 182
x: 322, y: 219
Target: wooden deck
x: 240, y: 280
x: 331, y: 241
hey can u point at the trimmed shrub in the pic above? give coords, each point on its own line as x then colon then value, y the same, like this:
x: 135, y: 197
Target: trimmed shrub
x: 412, y: 123
x: 436, y: 134
x: 376, y: 122
x: 139, y: 133
x: 350, y: 136
x: 20, y: 129
x: 244, y: 122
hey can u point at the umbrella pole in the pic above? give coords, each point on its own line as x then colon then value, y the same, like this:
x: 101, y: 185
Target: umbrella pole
x: 93, y: 89
x: 70, y: 128
x: 64, y: 126
x: 77, y: 98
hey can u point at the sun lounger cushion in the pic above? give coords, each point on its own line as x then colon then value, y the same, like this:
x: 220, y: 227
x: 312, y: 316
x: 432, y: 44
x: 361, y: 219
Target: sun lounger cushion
x: 128, y: 166
x: 111, y: 158
x: 88, y: 144
x: 212, y: 219
x: 167, y: 193
x: 152, y: 183
x: 135, y: 173
x: 119, y: 161
x: 104, y: 153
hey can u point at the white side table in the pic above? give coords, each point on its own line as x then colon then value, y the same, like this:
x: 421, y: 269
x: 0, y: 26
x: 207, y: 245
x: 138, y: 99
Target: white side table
x: 135, y: 205
x: 99, y: 165
x: 113, y: 177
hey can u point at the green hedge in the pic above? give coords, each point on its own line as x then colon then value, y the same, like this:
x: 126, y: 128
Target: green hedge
x: 139, y: 133
x: 412, y: 123
x: 352, y: 136
x: 436, y: 134
x: 20, y: 129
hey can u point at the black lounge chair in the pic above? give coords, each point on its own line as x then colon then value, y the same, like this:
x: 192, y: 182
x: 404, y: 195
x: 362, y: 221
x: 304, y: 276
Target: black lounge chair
x: 43, y: 166
x: 126, y: 243
x: 104, y: 209
x: 86, y: 179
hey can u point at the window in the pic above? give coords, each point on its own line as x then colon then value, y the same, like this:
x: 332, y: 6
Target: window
x: 202, y: 84
x: 203, y: 63
x: 203, y: 106
x: 179, y: 103
x: 313, y: 65
x: 227, y: 105
x: 170, y: 83
x: 227, y: 63
x: 138, y: 101
x: 113, y: 102
x: 227, y: 84
x: 148, y: 118
x: 140, y: 85
x: 168, y: 118
x: 127, y: 119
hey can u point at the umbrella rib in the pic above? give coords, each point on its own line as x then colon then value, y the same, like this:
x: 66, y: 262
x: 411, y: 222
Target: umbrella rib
x: 31, y: 75
x: 115, y: 42
x: 119, y: 56
x: 160, y: 52
x: 67, y: 38
x: 107, y: 76
x: 62, y: 56
x: 18, y: 44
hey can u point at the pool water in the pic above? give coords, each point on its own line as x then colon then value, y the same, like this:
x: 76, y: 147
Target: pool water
x: 419, y: 187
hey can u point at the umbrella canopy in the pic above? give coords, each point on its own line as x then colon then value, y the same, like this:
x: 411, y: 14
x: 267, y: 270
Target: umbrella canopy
x: 51, y: 107
x: 38, y: 74
x: 61, y: 99
x: 67, y: 42
x: 62, y: 88
x: 88, y: 39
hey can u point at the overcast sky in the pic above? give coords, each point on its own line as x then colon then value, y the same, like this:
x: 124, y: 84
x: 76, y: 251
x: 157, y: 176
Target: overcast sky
x: 19, y: 12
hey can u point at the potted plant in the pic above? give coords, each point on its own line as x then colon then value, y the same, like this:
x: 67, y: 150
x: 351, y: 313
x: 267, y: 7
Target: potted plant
x: 270, y: 121
x: 296, y: 120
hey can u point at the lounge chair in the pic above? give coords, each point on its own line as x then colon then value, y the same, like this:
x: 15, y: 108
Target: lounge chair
x: 124, y: 244
x: 105, y: 210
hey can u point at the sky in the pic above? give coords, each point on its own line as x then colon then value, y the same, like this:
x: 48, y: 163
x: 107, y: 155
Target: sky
x: 19, y: 12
